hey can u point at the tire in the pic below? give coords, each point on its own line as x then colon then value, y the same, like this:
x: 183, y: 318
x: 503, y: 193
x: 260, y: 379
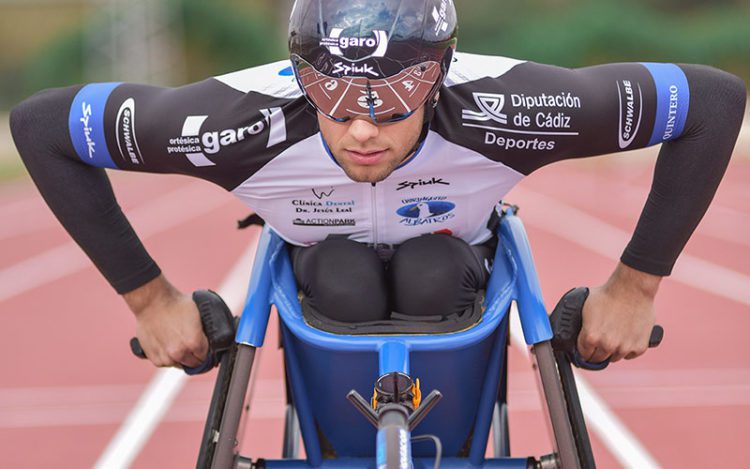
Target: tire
x: 291, y: 434
x: 575, y: 412
x: 500, y: 431
x: 216, y: 409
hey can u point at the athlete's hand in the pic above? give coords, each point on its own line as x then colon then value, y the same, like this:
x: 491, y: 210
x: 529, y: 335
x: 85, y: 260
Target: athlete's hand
x: 618, y: 316
x: 168, y: 325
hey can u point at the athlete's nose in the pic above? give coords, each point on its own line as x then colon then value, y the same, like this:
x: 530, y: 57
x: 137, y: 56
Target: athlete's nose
x: 363, y: 130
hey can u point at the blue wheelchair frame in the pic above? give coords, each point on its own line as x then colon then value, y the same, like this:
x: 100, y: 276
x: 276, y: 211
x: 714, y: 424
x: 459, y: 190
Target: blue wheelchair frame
x: 322, y: 367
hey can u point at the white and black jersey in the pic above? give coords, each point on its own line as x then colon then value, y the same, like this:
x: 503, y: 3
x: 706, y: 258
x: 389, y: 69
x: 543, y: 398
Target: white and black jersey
x: 498, y: 119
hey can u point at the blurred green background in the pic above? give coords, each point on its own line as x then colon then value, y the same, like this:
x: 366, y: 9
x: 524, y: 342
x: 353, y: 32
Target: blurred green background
x: 168, y: 42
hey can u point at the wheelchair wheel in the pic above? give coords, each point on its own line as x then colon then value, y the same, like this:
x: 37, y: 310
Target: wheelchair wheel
x: 575, y: 413
x: 572, y: 444
x: 216, y: 409
x: 500, y: 423
x: 291, y: 434
x: 500, y: 433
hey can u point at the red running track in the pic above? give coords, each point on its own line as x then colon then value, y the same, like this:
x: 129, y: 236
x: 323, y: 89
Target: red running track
x: 69, y: 380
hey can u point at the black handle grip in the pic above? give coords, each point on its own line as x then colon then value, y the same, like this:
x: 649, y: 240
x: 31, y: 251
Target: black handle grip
x: 135, y: 347
x: 567, y: 319
x: 657, y: 334
x: 218, y: 325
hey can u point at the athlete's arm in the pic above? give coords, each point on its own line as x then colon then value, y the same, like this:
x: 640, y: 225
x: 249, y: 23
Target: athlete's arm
x: 80, y: 196
x: 207, y: 129
x: 619, y: 314
x: 529, y: 115
x: 67, y: 136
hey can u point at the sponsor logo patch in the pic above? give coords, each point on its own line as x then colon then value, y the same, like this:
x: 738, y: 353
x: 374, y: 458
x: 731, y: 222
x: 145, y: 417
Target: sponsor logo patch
x: 340, y: 68
x: 339, y: 44
x: 195, y: 143
x: 322, y: 193
x: 674, y: 103
x: 421, y: 182
x: 558, y: 101
x: 87, y: 130
x: 125, y: 133
x: 490, y: 108
x: 324, y: 222
x: 425, y: 210
x: 319, y: 206
x: 440, y: 16
x: 631, y: 112
x: 519, y: 122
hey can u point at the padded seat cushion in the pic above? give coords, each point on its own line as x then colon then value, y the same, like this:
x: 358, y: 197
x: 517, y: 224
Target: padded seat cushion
x: 398, y: 323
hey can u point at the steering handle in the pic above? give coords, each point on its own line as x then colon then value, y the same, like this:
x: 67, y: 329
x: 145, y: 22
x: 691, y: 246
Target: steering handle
x: 567, y: 319
x: 218, y: 325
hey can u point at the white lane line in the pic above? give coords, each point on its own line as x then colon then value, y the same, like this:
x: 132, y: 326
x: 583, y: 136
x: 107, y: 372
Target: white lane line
x: 721, y: 222
x: 163, y: 388
x: 618, y: 439
x: 623, y: 445
x: 578, y: 227
x: 142, y: 420
x: 726, y: 224
x: 726, y: 399
x: 678, y: 396
x: 626, y: 378
x: 161, y: 214
x: 68, y: 406
x: 31, y: 214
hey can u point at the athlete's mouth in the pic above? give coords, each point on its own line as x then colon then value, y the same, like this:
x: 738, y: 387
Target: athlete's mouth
x: 366, y: 157
x: 365, y: 152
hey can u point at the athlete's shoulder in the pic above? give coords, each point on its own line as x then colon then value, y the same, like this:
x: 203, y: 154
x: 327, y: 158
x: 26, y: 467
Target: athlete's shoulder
x: 471, y: 67
x: 274, y: 79
x: 473, y: 90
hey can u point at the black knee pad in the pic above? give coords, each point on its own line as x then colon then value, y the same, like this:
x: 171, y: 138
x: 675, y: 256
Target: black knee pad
x: 343, y: 280
x: 435, y: 274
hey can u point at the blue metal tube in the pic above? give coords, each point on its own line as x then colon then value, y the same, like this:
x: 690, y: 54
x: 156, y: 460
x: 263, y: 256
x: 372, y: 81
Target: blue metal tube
x: 301, y: 401
x: 488, y: 397
x: 394, y: 357
x: 257, y: 309
x: 534, y: 320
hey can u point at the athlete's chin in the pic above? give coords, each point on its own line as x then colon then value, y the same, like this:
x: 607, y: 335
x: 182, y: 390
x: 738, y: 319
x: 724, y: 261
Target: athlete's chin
x: 366, y: 173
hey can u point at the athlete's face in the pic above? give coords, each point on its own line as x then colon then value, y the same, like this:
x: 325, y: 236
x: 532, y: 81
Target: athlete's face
x: 369, y: 152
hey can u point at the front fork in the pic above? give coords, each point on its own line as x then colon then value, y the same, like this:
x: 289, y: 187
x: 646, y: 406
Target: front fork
x: 396, y: 408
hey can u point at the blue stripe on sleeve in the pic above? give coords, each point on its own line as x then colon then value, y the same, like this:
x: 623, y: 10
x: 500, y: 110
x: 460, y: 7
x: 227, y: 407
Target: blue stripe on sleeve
x: 86, y: 124
x: 673, y: 101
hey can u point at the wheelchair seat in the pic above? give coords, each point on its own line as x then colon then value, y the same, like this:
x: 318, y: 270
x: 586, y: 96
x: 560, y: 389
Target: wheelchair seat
x: 467, y: 365
x: 325, y: 363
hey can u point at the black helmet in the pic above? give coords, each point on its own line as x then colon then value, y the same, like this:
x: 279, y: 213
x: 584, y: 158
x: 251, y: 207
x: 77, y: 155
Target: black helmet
x: 378, y: 58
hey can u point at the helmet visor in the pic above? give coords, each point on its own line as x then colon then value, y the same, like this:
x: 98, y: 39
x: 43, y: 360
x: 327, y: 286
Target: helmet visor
x: 383, y: 99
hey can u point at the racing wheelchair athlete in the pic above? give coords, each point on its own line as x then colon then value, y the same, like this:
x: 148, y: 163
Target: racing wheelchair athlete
x: 377, y: 155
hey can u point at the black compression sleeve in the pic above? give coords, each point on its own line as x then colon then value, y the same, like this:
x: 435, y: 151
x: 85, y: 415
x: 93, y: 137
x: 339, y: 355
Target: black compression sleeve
x: 79, y: 195
x: 688, y: 170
